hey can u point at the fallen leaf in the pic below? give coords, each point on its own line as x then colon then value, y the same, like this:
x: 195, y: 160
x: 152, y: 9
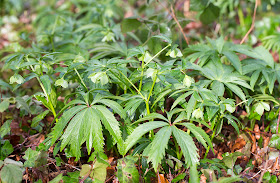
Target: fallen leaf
x: 257, y: 131
x: 162, y: 179
x: 239, y: 143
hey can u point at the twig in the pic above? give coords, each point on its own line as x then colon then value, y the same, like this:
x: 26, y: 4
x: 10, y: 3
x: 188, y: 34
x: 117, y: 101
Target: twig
x: 256, y: 174
x: 263, y: 171
x: 72, y: 166
x: 176, y: 20
x: 110, y: 178
x: 265, y: 133
x: 253, y: 23
x: 180, y: 27
x: 87, y: 175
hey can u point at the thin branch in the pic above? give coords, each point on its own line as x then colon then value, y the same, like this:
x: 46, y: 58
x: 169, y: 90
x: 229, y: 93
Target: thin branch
x: 253, y: 23
x: 264, y: 170
x: 172, y: 13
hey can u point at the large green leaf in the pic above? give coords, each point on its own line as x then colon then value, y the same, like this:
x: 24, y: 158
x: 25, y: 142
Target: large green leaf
x: 236, y: 90
x: 151, y: 117
x: 140, y: 131
x: 158, y: 146
x: 187, y: 146
x: 92, y: 130
x: 110, y: 123
x: 234, y: 59
x: 199, y: 134
x: 46, y: 83
x: 73, y: 134
x: 11, y: 173
x: 63, y: 120
x: 181, y: 98
x: 113, y: 105
x: 218, y: 88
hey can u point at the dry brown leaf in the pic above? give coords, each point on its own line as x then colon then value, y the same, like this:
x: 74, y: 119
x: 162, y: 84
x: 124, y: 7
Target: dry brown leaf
x: 254, y: 145
x: 162, y: 179
x: 239, y: 144
x: 266, y: 141
x: 257, y: 131
x: 203, y: 179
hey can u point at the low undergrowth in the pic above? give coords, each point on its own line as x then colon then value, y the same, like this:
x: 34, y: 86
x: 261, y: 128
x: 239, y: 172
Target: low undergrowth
x: 88, y: 95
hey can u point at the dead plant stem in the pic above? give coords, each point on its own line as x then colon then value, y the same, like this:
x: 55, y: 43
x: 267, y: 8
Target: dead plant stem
x: 253, y: 23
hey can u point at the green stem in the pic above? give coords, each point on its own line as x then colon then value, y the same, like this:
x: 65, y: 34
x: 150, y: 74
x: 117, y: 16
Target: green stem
x: 141, y: 80
x: 134, y: 87
x: 151, y: 90
x: 208, y: 149
x: 177, y: 150
x: 124, y: 89
x: 147, y: 107
x: 157, y: 54
x: 44, y: 90
x: 82, y: 81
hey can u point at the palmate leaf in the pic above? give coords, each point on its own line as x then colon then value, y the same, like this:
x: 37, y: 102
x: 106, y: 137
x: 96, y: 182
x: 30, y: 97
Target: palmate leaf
x: 85, y: 125
x: 187, y: 145
x: 140, y: 131
x: 158, y: 146
x: 236, y: 90
x: 93, y: 130
x: 63, y: 120
x: 199, y: 134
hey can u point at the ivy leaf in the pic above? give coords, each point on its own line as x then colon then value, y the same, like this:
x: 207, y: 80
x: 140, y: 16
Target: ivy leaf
x: 11, y: 173
x: 5, y: 149
x: 97, y: 171
x: 30, y: 156
x: 275, y: 141
x: 57, y: 179
x: 127, y: 171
